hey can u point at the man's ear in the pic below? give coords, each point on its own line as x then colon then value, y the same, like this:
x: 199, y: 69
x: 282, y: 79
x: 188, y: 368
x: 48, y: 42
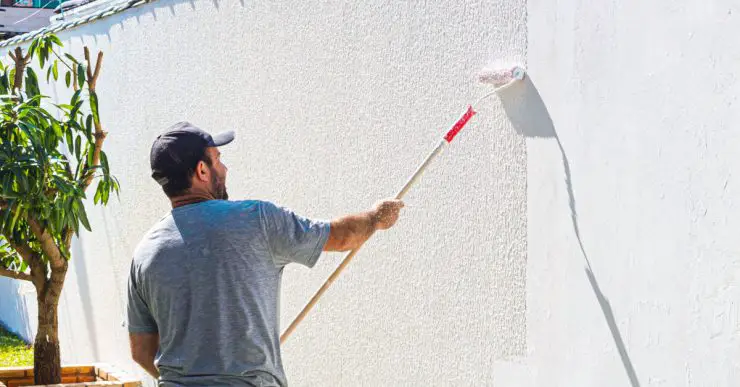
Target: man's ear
x: 201, y: 170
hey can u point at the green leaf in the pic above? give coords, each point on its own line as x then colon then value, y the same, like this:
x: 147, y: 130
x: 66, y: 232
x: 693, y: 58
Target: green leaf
x: 32, y: 82
x: 106, y: 192
x: 42, y: 53
x: 76, y: 97
x: 78, y: 142
x: 94, y: 107
x: 57, y: 128
x: 98, y: 192
x: 33, y: 45
x: 6, y: 214
x: 4, y: 83
x: 15, y: 216
x: 116, y: 184
x: 70, y: 144
x: 76, y: 125
x: 88, y: 126
x: 104, y: 163
x: 83, y: 216
x: 75, y: 110
x: 70, y: 57
x: 31, y: 73
x: 90, y: 153
x: 68, y: 78
x: 55, y: 70
x: 56, y: 40
x: 80, y: 75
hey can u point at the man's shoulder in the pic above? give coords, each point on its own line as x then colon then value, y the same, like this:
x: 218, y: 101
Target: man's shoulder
x: 260, y: 206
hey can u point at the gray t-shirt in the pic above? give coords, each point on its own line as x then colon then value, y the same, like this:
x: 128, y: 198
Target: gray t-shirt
x: 207, y: 278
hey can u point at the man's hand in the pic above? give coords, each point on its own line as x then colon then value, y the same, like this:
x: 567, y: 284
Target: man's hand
x: 351, y: 231
x: 386, y: 213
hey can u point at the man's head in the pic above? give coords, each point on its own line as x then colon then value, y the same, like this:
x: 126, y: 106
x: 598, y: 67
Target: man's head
x: 185, y: 160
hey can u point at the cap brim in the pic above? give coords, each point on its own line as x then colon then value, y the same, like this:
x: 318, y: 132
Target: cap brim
x: 223, y: 138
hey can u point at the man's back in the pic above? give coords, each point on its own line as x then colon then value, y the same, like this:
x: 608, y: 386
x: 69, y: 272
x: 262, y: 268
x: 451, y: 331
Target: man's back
x: 207, y: 279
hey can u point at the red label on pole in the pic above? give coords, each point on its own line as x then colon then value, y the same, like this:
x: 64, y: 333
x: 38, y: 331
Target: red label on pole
x: 459, y: 124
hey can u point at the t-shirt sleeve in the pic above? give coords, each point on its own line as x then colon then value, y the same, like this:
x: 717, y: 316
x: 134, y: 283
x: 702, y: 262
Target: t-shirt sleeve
x: 139, y: 318
x: 291, y: 237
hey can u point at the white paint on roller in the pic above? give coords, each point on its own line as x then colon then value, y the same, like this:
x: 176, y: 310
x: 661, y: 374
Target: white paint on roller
x: 500, y: 77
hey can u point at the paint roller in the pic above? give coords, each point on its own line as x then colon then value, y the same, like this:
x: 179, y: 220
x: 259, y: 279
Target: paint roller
x: 500, y: 79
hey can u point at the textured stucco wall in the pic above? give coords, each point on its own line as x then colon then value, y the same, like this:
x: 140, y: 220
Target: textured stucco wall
x: 334, y: 104
x: 625, y: 239
x: 643, y: 99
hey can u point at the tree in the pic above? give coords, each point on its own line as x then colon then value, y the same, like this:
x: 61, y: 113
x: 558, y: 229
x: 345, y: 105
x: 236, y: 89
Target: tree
x: 46, y: 166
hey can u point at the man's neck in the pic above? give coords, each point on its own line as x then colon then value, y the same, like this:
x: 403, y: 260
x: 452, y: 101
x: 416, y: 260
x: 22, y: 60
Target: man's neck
x: 191, y: 198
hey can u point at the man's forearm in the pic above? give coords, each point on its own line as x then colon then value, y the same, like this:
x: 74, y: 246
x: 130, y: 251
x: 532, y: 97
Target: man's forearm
x: 144, y: 348
x: 351, y: 231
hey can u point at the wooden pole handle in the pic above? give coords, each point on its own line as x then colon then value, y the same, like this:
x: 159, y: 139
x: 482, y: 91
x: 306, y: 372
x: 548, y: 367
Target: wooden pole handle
x: 352, y: 253
x: 318, y: 295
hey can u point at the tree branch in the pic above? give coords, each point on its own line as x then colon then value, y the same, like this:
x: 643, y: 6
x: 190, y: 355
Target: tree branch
x: 93, y: 72
x: 28, y: 255
x: 20, y: 66
x: 92, y: 79
x: 53, y: 289
x: 48, y: 245
x: 89, y: 65
x: 15, y: 274
x: 97, y: 67
x: 62, y: 60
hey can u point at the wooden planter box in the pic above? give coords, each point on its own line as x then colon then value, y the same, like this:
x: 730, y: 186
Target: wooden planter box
x: 72, y: 376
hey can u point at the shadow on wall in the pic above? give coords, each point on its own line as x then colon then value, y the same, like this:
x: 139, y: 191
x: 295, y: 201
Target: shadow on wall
x: 137, y: 11
x: 530, y: 118
x: 83, y: 287
x: 170, y: 5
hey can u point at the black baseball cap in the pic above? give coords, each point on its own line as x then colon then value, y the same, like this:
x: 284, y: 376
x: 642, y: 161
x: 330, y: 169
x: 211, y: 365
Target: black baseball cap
x: 180, y: 147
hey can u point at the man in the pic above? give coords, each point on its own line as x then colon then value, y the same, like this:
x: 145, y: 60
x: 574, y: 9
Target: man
x: 203, y: 294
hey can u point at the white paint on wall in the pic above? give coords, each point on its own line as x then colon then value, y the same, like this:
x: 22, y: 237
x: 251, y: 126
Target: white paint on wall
x: 334, y: 105
x: 642, y: 98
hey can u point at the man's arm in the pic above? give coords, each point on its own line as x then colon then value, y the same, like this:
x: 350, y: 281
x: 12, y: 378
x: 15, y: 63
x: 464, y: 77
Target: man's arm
x: 351, y: 231
x: 144, y: 347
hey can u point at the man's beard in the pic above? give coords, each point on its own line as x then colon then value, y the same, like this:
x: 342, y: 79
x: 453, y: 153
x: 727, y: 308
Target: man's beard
x: 219, y: 188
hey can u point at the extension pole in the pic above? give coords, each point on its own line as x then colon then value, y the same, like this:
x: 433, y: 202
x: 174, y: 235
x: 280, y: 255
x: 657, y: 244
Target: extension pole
x: 437, y: 150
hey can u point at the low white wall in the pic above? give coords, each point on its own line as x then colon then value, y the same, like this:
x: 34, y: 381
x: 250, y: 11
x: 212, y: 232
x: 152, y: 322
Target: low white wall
x: 18, y: 308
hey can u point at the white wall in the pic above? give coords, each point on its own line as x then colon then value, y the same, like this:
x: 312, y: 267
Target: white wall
x: 622, y: 137
x: 18, y: 308
x: 334, y: 104
x: 643, y: 98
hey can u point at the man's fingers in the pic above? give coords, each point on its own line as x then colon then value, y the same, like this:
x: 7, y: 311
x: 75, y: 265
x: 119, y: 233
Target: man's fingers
x: 398, y: 203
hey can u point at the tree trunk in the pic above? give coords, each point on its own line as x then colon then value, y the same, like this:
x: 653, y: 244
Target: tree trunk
x: 46, y: 357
